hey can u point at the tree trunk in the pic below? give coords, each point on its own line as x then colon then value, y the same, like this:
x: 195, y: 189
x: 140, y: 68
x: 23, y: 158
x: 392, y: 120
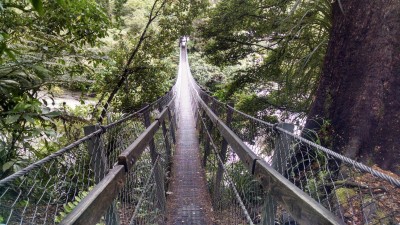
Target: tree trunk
x: 359, y: 91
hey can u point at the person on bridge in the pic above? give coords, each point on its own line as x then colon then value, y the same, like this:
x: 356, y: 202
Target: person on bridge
x: 183, y: 40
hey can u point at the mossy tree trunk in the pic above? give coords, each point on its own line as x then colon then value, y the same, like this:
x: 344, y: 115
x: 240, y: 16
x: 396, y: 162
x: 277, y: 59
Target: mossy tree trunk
x: 359, y: 91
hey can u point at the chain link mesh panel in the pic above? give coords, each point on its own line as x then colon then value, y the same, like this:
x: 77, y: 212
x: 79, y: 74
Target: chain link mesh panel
x: 47, y: 190
x: 357, y: 194
x: 139, y: 201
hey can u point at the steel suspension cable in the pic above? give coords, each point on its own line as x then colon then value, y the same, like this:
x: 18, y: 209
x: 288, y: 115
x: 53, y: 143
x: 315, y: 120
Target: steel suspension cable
x: 358, y: 165
x: 330, y: 152
x: 67, y: 148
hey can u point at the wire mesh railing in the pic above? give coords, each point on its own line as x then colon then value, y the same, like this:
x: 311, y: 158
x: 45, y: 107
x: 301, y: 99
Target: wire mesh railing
x: 133, y: 192
x: 223, y: 181
x: 256, y: 172
x: 237, y: 196
x: 354, y: 192
x: 351, y: 191
x: 138, y: 201
x: 49, y: 189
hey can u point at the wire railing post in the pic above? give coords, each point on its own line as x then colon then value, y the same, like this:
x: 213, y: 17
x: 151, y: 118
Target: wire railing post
x: 206, y: 140
x: 98, y: 161
x: 279, y: 159
x: 166, y: 140
x: 224, y: 147
x: 172, y: 124
x: 202, y: 114
x: 158, y: 172
x: 207, y: 143
x: 282, y: 148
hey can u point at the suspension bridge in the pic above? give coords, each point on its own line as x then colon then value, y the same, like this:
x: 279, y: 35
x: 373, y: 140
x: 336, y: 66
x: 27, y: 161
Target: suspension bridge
x: 189, y: 159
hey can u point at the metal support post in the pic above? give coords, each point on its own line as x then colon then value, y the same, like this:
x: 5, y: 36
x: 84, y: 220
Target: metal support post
x: 98, y: 161
x: 282, y: 148
x: 279, y: 163
x: 166, y: 140
x: 205, y: 136
x: 172, y: 125
x: 203, y: 114
x: 158, y: 171
x: 209, y: 128
x: 224, y: 148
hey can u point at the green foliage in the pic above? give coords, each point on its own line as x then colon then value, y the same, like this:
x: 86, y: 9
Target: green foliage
x: 42, y: 44
x: 145, y: 62
x: 38, y: 6
x: 250, y: 188
x: 279, y: 46
x: 69, y: 206
x: 20, y: 127
x: 315, y: 184
x: 324, y: 136
x: 47, y: 46
x: 119, y: 11
x: 82, y: 45
x: 207, y: 75
x: 47, y: 49
x: 342, y: 194
x: 215, y: 79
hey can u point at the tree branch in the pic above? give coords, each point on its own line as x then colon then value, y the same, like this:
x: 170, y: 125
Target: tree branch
x: 154, y: 13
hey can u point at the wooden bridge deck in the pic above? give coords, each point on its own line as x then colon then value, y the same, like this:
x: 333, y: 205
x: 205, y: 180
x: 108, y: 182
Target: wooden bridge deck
x: 188, y: 201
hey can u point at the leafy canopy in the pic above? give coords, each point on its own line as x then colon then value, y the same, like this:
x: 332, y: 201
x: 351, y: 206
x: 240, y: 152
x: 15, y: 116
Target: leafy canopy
x: 278, y: 45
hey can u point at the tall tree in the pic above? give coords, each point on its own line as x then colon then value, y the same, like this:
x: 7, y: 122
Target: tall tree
x: 359, y: 92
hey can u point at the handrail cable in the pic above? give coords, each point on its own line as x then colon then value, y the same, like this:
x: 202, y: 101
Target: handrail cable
x: 65, y: 149
x: 330, y: 152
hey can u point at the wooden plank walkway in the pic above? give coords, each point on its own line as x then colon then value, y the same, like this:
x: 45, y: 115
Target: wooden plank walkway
x: 188, y: 200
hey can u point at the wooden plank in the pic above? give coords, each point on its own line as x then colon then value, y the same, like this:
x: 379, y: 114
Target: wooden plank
x: 171, y: 102
x: 214, y: 118
x: 301, y: 207
x: 209, y: 127
x: 172, y: 121
x: 166, y: 139
x: 132, y: 153
x: 95, y: 204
